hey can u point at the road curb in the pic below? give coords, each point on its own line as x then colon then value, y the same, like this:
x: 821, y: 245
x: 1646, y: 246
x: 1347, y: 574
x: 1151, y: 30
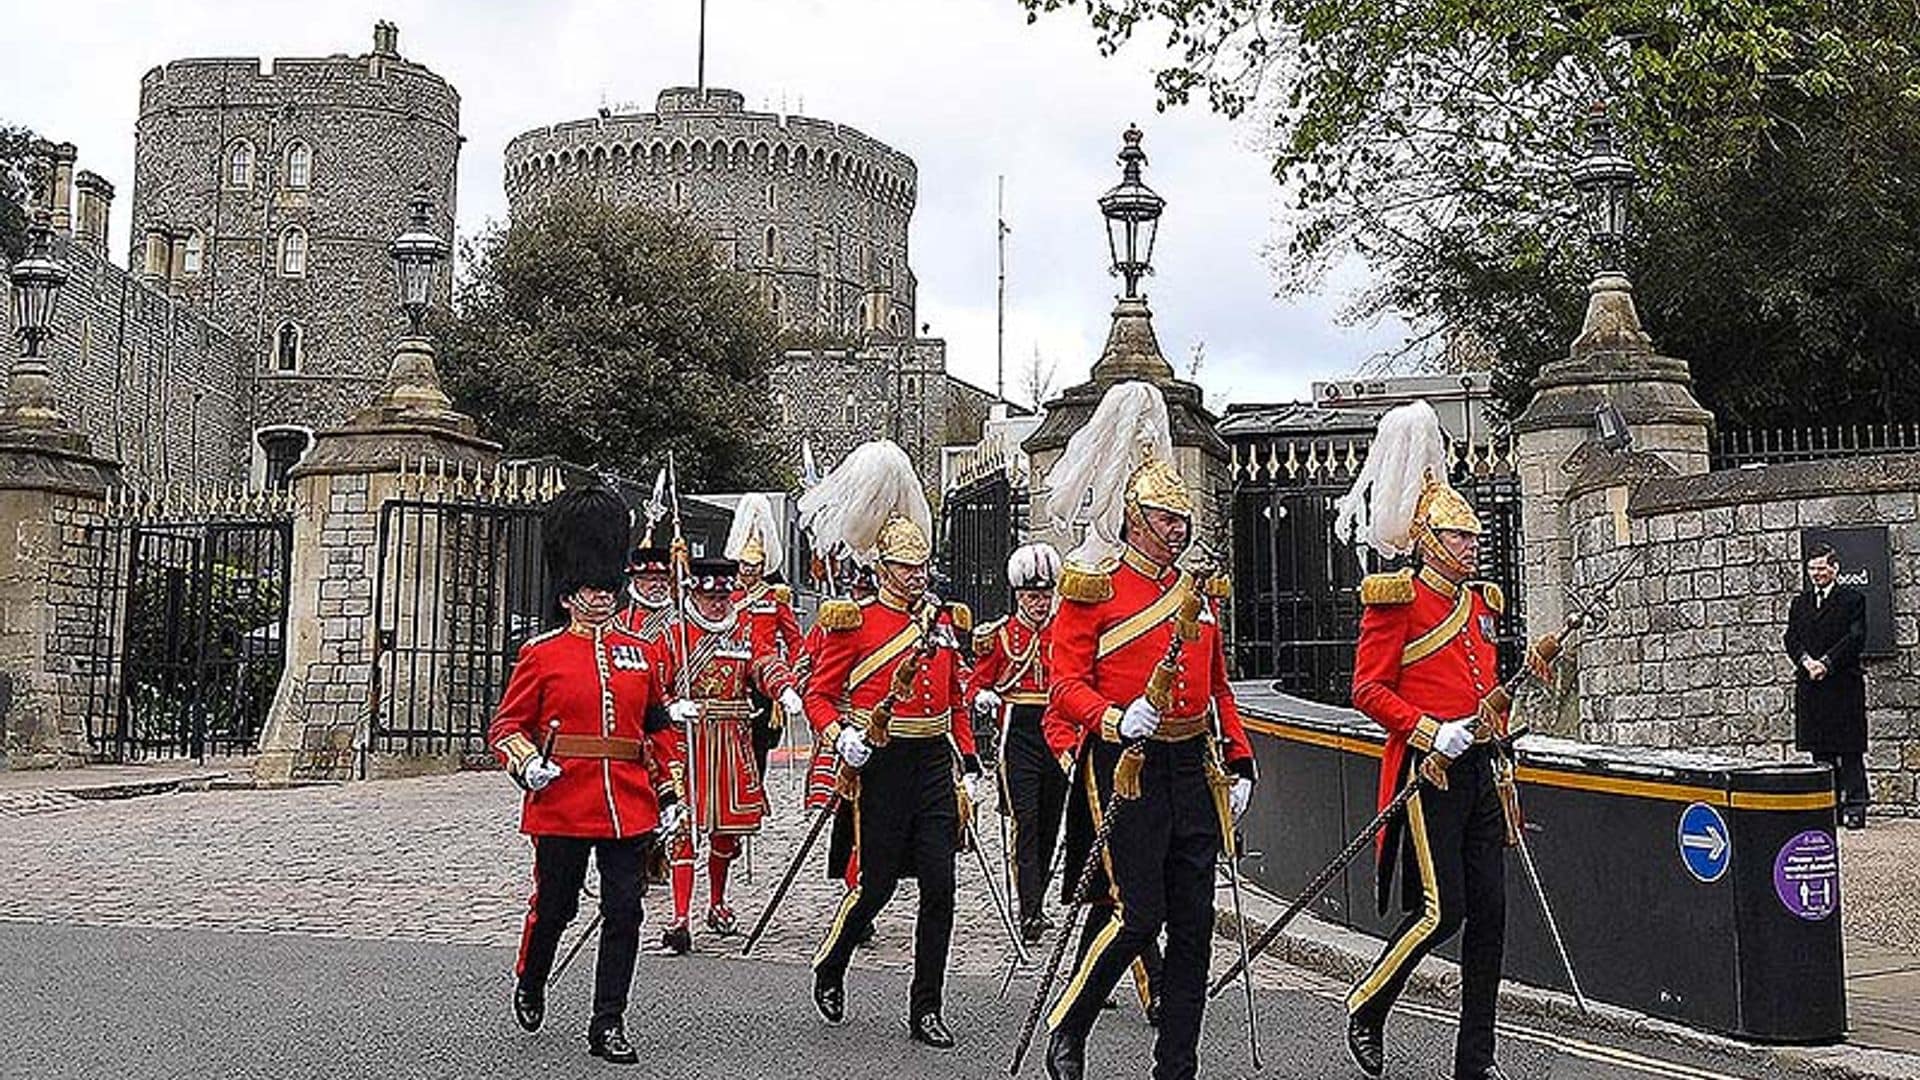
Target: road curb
x: 1344, y: 954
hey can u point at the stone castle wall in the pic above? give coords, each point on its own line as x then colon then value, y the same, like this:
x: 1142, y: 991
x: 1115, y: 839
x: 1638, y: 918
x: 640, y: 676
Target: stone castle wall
x: 1694, y: 655
x: 817, y: 213
x: 375, y: 126
x: 837, y: 399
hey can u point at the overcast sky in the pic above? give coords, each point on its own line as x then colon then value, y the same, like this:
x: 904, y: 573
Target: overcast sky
x: 965, y: 87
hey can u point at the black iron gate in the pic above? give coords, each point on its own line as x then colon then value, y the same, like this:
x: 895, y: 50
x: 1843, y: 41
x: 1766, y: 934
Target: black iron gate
x: 980, y: 524
x: 186, y: 634
x: 460, y: 586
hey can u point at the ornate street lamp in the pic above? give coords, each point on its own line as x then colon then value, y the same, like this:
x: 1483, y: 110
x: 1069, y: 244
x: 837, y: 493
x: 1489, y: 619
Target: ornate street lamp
x: 416, y: 255
x: 1132, y: 210
x: 36, y: 291
x: 1605, y: 182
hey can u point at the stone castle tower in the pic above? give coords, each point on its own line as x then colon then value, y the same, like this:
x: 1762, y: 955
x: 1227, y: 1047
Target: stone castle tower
x: 815, y: 212
x: 266, y: 195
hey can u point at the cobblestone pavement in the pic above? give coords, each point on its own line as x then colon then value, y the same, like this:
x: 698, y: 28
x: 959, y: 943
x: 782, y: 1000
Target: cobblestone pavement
x: 1878, y: 867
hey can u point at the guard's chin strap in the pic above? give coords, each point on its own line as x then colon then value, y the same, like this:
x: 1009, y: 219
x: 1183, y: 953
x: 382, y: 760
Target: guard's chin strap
x: 1174, y: 551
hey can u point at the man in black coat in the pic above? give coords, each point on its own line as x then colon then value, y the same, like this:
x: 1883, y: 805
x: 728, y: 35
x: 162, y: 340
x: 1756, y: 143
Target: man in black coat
x: 1826, y: 626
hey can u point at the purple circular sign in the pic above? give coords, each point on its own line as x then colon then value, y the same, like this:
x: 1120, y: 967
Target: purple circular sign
x: 1806, y: 875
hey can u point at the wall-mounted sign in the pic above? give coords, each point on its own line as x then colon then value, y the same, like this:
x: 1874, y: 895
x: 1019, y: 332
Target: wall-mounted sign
x: 1866, y: 565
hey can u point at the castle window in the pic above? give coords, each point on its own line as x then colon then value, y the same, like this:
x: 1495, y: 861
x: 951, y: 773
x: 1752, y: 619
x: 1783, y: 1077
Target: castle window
x: 299, y: 165
x: 287, y: 342
x: 679, y: 195
x: 195, y: 256
x: 913, y: 386
x: 773, y: 244
x: 293, y: 252
x: 240, y: 164
x: 282, y: 448
x: 771, y: 200
x: 850, y: 412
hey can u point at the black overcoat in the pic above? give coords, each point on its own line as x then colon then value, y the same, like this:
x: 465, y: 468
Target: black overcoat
x: 1829, y: 715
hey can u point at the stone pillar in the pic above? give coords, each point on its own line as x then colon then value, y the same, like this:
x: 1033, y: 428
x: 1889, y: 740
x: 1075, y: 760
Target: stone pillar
x: 1613, y: 360
x: 177, y: 263
x: 321, y: 712
x: 94, y: 211
x: 158, y: 257
x: 60, y: 158
x: 1133, y: 352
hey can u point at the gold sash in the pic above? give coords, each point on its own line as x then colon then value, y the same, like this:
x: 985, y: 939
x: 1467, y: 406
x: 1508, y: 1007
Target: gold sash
x: 1431, y: 642
x: 907, y: 638
x: 1137, y: 625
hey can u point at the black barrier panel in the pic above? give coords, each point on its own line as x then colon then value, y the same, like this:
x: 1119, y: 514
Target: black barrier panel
x: 1699, y: 889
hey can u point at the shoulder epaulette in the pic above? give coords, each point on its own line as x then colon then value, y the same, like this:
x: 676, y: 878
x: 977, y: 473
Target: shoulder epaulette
x: 983, y: 632
x: 1394, y: 588
x: 1087, y: 584
x: 781, y: 594
x: 1495, y: 596
x: 1218, y: 586
x: 961, y: 614
x: 544, y: 636
x: 839, y: 615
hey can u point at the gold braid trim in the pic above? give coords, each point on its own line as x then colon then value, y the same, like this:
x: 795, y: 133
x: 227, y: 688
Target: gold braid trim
x: 1495, y: 597
x: 1218, y: 587
x: 1086, y: 584
x: 962, y: 616
x: 839, y: 615
x: 782, y: 594
x: 1394, y: 588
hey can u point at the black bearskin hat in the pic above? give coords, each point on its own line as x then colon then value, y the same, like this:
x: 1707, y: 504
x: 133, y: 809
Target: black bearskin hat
x: 584, y: 533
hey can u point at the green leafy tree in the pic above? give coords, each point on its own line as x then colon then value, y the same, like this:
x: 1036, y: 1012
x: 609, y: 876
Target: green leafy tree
x: 1432, y: 138
x: 20, y: 169
x: 609, y: 335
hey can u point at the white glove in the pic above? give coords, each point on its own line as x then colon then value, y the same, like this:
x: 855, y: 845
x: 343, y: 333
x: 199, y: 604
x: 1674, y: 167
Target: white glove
x: 1454, y: 738
x: 790, y: 701
x: 671, y: 818
x: 1141, y: 720
x: 986, y: 701
x: 684, y: 711
x: 853, y: 747
x: 538, y: 772
x: 972, y: 785
x: 1237, y: 798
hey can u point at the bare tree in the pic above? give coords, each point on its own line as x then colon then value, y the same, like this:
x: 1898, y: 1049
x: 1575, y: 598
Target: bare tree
x: 1036, y: 379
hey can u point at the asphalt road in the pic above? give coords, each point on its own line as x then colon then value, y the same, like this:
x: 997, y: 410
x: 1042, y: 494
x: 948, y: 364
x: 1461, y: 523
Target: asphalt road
x: 95, y: 1002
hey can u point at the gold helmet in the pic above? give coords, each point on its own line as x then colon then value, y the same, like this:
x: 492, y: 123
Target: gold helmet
x: 1442, y: 509
x: 902, y: 540
x: 1158, y: 484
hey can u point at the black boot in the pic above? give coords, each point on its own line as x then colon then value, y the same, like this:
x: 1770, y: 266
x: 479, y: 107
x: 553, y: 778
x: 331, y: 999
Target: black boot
x: 609, y: 1043
x: 1066, y: 1054
x: 1491, y: 1072
x: 1364, y: 1043
x: 529, y: 1007
x: 930, y: 1030
x: 830, y: 998
x: 678, y: 939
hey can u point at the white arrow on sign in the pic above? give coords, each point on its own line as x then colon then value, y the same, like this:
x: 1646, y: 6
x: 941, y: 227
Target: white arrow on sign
x: 1714, y: 843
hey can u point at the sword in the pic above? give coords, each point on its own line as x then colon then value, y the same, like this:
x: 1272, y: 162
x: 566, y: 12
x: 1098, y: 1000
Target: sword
x: 1546, y: 909
x: 578, y: 943
x: 999, y: 905
x: 792, y: 871
x: 1246, y: 963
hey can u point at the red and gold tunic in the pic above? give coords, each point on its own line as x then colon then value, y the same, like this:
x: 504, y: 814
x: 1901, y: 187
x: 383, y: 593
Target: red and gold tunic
x: 1103, y: 651
x: 770, y: 608
x: 722, y: 663
x: 1426, y: 655
x: 614, y: 744
x: 1010, y: 659
x: 853, y: 670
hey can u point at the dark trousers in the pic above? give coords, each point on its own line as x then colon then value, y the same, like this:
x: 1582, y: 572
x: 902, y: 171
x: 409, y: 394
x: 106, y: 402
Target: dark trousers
x: 1161, y: 853
x: 559, y: 870
x: 765, y: 735
x: 1035, y: 788
x: 1454, y: 844
x: 1849, y: 778
x: 905, y: 825
x: 1146, y: 970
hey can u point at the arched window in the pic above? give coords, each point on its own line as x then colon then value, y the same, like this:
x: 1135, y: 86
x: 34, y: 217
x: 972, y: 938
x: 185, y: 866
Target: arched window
x: 196, y: 254
x: 850, y: 412
x: 281, y: 449
x: 299, y: 165
x: 772, y: 202
x: 773, y: 244
x: 240, y: 164
x: 287, y: 342
x: 679, y: 195
x: 293, y: 252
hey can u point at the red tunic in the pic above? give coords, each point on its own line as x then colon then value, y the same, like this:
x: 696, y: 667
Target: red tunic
x: 937, y: 687
x: 770, y: 608
x: 597, y: 684
x: 1426, y: 655
x: 1010, y: 659
x: 722, y: 665
x: 1091, y: 687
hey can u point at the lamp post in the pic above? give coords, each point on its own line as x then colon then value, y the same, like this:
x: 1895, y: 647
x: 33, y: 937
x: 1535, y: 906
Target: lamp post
x: 1132, y: 210
x: 412, y: 392
x: 1605, y: 182
x: 36, y: 281
x: 416, y: 254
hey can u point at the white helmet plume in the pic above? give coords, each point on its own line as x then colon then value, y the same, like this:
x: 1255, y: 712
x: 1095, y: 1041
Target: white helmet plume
x: 1407, y: 446
x: 850, y: 504
x: 1033, y: 566
x: 1129, y: 428
x: 753, y: 520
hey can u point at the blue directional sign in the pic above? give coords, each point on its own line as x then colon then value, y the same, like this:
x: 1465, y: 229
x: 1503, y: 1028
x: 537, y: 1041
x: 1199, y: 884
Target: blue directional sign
x: 1706, y: 844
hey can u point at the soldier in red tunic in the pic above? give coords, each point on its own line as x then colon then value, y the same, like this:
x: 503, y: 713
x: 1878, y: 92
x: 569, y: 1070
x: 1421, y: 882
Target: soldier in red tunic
x: 1010, y: 682
x: 649, y: 591
x: 753, y: 543
x: 721, y: 662
x: 584, y: 729
x: 1425, y: 660
x: 885, y: 691
x: 1144, y: 715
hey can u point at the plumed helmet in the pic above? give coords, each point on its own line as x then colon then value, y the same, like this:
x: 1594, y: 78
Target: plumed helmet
x: 755, y: 536
x: 872, y: 506
x: 1120, y: 462
x: 1033, y: 566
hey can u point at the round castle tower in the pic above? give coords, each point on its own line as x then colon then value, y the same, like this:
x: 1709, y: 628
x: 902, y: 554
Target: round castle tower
x: 271, y: 193
x: 816, y: 212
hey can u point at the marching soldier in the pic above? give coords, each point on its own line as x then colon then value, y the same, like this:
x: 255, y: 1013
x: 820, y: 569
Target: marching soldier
x: 715, y: 663
x: 885, y: 691
x: 1010, y: 683
x: 1139, y: 696
x: 1424, y: 662
x: 753, y: 542
x: 649, y: 591
x: 584, y: 729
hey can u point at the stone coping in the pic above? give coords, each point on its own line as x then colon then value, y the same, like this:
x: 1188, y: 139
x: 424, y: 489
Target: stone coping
x: 1865, y: 475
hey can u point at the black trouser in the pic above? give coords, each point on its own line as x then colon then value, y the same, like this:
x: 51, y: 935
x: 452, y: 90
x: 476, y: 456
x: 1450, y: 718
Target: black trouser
x: 907, y: 817
x: 1146, y: 970
x: 559, y: 870
x: 1849, y: 779
x: 1035, y: 788
x: 765, y: 735
x: 1455, y: 852
x: 1162, y: 852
